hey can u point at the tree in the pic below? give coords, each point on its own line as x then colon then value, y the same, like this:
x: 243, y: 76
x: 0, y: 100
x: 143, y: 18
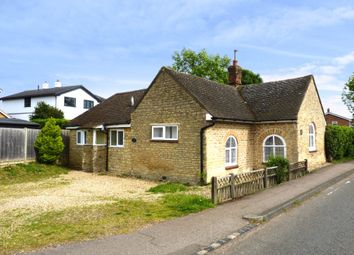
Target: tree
x: 46, y: 111
x: 43, y: 112
x: 348, y: 94
x: 212, y: 67
x: 49, y: 143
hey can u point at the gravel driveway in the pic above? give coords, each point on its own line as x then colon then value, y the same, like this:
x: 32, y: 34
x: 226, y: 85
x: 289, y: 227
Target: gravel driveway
x: 73, y: 189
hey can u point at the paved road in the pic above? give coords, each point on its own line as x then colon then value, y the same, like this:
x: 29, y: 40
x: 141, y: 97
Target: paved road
x: 322, y: 225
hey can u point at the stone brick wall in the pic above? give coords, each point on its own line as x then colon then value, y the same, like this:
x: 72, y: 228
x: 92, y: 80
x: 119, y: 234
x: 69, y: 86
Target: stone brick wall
x: 288, y: 131
x: 86, y: 157
x: 120, y: 157
x: 167, y: 103
x: 214, y: 148
x: 311, y: 112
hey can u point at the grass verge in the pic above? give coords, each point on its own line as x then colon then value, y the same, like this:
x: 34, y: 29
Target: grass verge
x: 168, y: 188
x: 81, y: 223
x: 343, y: 160
x: 21, y: 173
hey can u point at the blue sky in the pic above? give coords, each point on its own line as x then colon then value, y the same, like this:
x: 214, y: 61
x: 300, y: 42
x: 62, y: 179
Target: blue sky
x: 113, y: 46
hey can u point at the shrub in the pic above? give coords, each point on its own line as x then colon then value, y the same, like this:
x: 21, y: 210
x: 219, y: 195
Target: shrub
x: 168, y: 188
x: 339, y: 142
x: 49, y: 144
x: 283, y: 167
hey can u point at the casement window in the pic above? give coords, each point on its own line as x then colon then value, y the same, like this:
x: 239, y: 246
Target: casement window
x: 81, y: 137
x: 273, y: 146
x: 312, y: 137
x: 116, y: 138
x: 70, y: 101
x: 27, y: 102
x: 99, y: 137
x: 88, y: 104
x: 231, y: 151
x: 162, y: 132
x: 334, y: 122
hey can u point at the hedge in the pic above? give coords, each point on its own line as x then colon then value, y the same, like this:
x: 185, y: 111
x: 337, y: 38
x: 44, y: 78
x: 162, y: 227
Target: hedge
x: 339, y: 142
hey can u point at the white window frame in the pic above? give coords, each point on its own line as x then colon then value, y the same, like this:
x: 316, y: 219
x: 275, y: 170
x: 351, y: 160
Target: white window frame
x: 334, y: 122
x: 163, y: 138
x: 83, y: 135
x: 110, y: 138
x: 313, y: 135
x: 94, y: 139
x: 273, y: 145
x: 229, y: 149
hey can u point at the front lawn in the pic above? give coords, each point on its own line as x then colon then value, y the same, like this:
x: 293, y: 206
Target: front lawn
x: 31, y: 172
x: 40, y: 207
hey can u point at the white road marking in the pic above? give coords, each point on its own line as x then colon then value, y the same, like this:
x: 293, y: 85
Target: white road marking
x: 347, y: 182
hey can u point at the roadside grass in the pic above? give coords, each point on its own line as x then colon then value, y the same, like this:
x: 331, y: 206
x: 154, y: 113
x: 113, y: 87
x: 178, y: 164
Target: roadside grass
x: 168, y: 188
x: 343, y: 160
x: 30, y: 172
x: 88, y: 222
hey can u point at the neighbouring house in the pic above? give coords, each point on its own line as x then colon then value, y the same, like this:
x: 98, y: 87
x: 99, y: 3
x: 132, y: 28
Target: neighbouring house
x: 185, y: 127
x: 72, y: 100
x: 3, y: 115
x: 335, y: 119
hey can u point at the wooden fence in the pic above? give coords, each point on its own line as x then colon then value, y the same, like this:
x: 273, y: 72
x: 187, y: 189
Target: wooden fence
x: 17, y: 145
x: 238, y: 185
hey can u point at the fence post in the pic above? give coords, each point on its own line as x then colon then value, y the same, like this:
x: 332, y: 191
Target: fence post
x: 25, y: 143
x: 233, y: 190
x: 306, y: 165
x: 214, y: 190
x: 265, y: 180
x: 289, y: 173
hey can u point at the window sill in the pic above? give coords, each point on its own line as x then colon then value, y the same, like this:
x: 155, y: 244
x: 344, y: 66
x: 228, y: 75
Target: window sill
x: 115, y: 146
x: 99, y: 145
x: 163, y: 141
x: 231, y: 167
x: 312, y: 150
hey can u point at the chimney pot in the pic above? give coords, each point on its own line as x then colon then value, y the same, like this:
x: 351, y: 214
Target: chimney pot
x: 57, y: 84
x: 235, y: 73
x: 45, y: 85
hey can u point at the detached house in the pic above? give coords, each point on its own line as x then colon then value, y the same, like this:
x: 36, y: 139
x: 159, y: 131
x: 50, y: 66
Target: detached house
x: 72, y: 100
x: 184, y: 127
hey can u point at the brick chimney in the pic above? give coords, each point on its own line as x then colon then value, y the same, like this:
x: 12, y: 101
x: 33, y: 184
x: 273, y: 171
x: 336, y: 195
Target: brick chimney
x: 235, y: 72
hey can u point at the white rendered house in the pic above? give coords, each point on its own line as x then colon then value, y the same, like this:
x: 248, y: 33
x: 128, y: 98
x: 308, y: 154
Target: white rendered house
x: 72, y: 100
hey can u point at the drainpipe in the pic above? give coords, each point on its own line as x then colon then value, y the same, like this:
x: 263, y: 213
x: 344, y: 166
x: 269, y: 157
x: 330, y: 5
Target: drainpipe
x: 107, y: 146
x: 202, y: 131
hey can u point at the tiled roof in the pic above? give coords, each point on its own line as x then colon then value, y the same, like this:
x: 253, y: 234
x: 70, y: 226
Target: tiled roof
x: 49, y: 92
x: 113, y: 111
x: 12, y: 122
x: 276, y: 100
x: 270, y: 101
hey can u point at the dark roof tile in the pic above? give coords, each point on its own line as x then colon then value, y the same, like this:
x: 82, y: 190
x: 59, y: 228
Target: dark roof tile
x: 49, y: 92
x: 113, y: 111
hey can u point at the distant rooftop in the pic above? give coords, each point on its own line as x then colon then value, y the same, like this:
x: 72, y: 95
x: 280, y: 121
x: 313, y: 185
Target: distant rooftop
x: 56, y: 91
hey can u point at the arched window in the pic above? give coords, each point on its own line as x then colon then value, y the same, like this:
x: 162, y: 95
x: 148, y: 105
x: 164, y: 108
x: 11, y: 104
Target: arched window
x: 312, y: 137
x: 231, y: 151
x: 273, y: 145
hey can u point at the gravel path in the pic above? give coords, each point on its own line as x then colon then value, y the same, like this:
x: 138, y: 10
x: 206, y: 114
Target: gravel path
x: 70, y: 190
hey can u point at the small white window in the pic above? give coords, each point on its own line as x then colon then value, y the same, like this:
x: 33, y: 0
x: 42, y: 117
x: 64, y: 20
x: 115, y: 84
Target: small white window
x: 99, y: 137
x: 273, y: 146
x: 169, y: 132
x: 312, y: 137
x: 334, y: 122
x: 81, y: 137
x: 117, y: 138
x: 231, y: 152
